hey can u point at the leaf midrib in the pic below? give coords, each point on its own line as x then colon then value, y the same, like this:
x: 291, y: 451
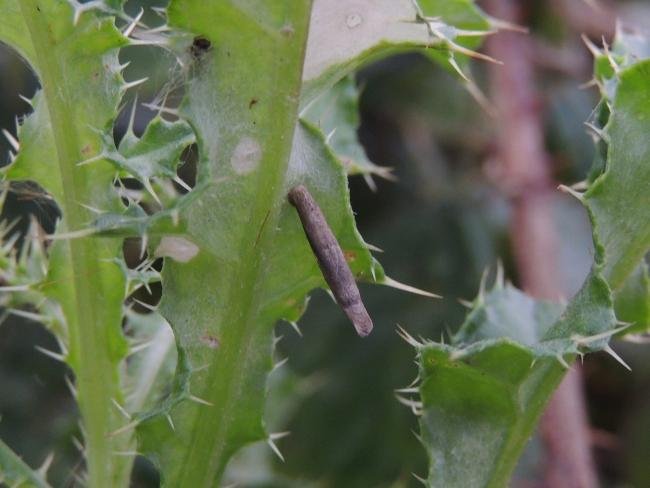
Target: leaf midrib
x: 244, y: 309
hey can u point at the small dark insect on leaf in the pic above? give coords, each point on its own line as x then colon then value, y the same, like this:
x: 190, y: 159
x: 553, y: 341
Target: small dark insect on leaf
x: 200, y: 46
x: 331, y: 260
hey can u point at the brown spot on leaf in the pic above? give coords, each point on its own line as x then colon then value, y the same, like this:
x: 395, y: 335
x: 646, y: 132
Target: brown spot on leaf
x: 211, y: 341
x: 287, y: 30
x: 350, y: 255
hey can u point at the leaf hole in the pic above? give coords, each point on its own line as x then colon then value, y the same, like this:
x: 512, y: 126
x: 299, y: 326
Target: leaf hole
x: 145, y: 297
x: 27, y: 204
x: 187, y: 168
x: 18, y: 79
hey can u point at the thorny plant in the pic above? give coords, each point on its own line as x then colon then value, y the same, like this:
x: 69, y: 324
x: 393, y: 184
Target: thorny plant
x: 267, y: 99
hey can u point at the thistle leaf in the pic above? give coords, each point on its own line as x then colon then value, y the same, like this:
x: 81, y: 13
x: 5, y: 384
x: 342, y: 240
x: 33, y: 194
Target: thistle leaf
x: 618, y: 199
x: 346, y: 35
x: 632, y: 301
x: 481, y: 396
x: 14, y: 471
x: 219, y: 303
x: 73, y: 49
x: 154, y: 155
x: 253, y: 264
x: 336, y: 114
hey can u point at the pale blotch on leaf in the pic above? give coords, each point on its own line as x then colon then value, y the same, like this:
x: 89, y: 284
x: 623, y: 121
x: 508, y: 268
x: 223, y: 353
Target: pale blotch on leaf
x: 287, y: 30
x: 343, y: 30
x: 246, y: 156
x: 178, y: 248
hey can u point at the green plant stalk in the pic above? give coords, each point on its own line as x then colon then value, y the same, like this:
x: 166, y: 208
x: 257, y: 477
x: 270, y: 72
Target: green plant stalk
x: 96, y: 382
x: 520, y: 438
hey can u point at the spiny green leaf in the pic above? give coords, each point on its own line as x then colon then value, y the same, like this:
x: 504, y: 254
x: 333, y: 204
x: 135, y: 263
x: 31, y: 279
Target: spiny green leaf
x: 507, y: 312
x: 336, y: 114
x: 73, y: 49
x: 154, y: 155
x: 242, y: 100
x: 633, y: 301
x: 153, y: 361
x: 618, y: 200
x: 242, y: 276
x: 477, y: 413
x: 253, y: 264
x: 254, y: 466
x: 15, y: 472
x: 463, y: 14
x: 459, y: 16
x: 343, y: 36
x: 480, y: 397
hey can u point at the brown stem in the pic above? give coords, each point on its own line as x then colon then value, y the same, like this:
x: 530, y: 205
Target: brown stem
x: 595, y: 20
x: 564, y: 429
x: 525, y: 176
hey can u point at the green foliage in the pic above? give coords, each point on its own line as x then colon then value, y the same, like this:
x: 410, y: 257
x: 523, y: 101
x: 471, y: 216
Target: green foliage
x: 17, y: 473
x: 83, y: 292
x: 632, y: 300
x: 254, y: 265
x: 235, y: 227
x: 336, y: 114
x: 481, y: 395
x: 268, y: 102
x: 618, y: 199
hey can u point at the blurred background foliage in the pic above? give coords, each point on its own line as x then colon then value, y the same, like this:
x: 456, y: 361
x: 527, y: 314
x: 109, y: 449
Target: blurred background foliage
x: 441, y: 224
